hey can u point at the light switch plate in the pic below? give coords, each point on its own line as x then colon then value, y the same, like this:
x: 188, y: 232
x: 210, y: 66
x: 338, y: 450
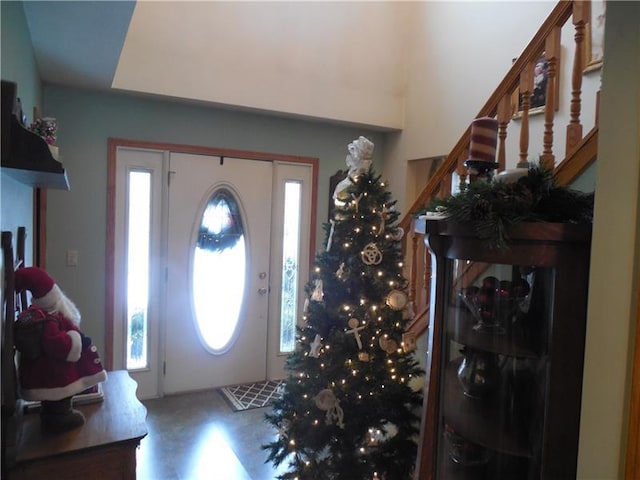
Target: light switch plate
x: 72, y: 258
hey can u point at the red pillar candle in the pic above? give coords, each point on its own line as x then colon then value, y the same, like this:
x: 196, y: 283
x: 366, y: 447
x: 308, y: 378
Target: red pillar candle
x: 482, y: 149
x: 484, y: 138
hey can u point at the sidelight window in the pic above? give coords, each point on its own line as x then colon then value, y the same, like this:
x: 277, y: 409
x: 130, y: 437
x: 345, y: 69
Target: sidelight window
x: 290, y: 265
x: 138, y: 248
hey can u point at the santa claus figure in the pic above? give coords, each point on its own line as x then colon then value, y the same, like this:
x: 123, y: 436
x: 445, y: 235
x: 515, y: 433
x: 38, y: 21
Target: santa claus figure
x: 57, y: 360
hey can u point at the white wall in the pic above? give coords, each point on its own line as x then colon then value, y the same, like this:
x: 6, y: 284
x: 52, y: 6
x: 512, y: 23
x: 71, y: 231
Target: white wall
x: 342, y: 61
x: 459, y: 53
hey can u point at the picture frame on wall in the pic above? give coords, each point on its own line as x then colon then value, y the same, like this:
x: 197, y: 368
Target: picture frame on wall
x: 594, y: 37
x: 539, y: 93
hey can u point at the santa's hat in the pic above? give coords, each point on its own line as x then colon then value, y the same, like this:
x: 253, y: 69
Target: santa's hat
x: 44, y: 291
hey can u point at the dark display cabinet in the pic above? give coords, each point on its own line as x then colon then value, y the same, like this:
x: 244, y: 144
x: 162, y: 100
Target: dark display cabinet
x: 505, y: 352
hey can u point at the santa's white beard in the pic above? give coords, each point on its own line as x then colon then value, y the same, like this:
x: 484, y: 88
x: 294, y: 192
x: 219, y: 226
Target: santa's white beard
x: 67, y: 308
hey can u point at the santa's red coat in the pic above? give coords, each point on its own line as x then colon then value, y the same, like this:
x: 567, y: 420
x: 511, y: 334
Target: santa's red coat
x: 64, y: 368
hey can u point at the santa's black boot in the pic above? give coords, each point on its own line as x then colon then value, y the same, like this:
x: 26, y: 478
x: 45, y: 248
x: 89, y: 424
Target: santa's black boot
x: 58, y: 416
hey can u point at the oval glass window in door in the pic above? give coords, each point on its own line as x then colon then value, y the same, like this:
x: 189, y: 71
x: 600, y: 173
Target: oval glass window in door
x: 219, y: 271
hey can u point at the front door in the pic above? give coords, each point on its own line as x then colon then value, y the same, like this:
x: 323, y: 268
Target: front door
x: 218, y: 275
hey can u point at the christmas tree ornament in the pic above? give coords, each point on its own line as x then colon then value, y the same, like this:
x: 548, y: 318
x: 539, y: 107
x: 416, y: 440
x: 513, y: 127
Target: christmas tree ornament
x: 359, y: 157
x: 330, y: 239
x: 397, y: 300
x: 326, y: 401
x: 283, y: 428
x: 356, y: 201
x: 384, y: 214
x: 315, y: 346
x: 388, y: 345
x: 364, y: 356
x: 340, y: 271
x: 391, y: 346
x: 318, y: 292
x: 371, y: 254
x: 408, y: 342
x: 355, y: 330
x: 398, y: 234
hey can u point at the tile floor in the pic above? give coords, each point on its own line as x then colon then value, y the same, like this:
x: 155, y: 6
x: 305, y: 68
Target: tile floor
x: 197, y: 436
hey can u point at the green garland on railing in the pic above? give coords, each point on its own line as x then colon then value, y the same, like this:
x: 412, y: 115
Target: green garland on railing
x: 493, y: 208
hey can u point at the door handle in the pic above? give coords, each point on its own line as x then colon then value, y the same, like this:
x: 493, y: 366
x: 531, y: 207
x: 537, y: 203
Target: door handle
x: 262, y: 291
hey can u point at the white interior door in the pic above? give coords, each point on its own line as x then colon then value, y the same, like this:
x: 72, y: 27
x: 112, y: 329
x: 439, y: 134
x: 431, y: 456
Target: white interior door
x: 191, y: 362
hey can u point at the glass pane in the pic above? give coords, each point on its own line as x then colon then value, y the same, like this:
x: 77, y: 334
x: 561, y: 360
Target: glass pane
x: 495, y: 362
x: 138, y: 239
x: 219, y: 271
x: 290, y: 258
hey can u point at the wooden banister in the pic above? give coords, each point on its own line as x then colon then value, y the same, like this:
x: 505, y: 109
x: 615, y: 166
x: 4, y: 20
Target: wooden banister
x: 578, y: 159
x: 558, y: 17
x: 580, y: 152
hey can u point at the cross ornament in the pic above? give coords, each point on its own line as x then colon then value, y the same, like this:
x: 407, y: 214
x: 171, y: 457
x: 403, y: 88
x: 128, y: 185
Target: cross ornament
x: 355, y: 330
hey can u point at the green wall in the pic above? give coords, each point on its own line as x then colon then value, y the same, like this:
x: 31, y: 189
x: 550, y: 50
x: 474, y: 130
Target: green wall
x: 18, y: 65
x: 76, y: 219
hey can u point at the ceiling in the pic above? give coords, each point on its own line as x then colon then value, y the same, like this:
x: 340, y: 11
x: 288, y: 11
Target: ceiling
x: 293, y: 58
x: 78, y: 44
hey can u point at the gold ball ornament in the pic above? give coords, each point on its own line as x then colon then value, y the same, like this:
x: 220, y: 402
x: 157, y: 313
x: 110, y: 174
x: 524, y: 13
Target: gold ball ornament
x: 397, y: 299
x: 389, y: 345
x: 325, y: 400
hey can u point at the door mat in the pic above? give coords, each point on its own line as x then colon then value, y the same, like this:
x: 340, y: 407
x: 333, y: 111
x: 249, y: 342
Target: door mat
x: 251, y: 395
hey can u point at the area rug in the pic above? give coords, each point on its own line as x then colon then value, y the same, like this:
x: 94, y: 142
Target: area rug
x: 251, y: 395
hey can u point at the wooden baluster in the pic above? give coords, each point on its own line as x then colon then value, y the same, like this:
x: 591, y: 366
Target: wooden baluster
x: 581, y: 14
x: 552, y: 53
x: 414, y: 264
x: 504, y: 117
x: 463, y: 178
x: 526, y: 88
x: 463, y: 173
x: 445, y: 186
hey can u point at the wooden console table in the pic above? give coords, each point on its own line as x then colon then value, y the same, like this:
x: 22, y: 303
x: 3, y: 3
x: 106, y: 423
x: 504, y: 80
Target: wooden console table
x: 104, y: 447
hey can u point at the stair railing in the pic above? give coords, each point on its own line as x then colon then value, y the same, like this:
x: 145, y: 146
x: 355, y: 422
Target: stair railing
x: 518, y: 82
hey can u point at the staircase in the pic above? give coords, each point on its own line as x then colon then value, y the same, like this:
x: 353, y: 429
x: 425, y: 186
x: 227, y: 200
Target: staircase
x: 511, y: 100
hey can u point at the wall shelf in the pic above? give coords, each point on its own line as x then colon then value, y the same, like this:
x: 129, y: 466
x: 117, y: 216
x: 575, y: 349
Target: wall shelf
x: 26, y: 156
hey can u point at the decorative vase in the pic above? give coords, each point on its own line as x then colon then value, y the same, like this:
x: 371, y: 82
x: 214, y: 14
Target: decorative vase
x: 478, y: 373
x: 462, y: 451
x: 54, y: 151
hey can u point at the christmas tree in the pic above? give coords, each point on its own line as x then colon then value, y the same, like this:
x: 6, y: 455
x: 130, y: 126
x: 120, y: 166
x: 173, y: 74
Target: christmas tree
x: 348, y: 410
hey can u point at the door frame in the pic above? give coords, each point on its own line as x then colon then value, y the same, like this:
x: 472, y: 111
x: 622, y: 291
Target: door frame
x: 113, y: 145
